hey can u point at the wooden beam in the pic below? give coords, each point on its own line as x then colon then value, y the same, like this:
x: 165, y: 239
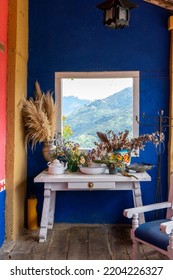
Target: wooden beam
x: 170, y: 159
x: 166, y: 4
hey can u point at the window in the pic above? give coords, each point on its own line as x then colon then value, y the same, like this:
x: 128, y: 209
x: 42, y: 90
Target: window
x: 96, y: 101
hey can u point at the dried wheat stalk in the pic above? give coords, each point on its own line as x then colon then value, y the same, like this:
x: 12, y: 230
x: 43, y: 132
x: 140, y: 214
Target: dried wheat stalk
x: 50, y: 110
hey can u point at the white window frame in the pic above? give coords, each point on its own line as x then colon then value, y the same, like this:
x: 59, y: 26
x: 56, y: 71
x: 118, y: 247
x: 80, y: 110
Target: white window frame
x: 107, y: 74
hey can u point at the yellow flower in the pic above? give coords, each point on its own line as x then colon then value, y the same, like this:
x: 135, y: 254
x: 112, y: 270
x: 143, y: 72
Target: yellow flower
x: 82, y: 160
x: 113, y: 156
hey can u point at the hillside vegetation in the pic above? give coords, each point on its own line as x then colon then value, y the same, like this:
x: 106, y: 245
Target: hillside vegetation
x: 86, y: 118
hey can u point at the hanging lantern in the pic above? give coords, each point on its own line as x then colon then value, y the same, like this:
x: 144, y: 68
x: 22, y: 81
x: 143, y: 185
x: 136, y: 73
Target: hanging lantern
x: 116, y: 12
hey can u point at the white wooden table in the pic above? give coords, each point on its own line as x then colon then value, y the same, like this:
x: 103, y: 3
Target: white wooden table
x: 79, y: 181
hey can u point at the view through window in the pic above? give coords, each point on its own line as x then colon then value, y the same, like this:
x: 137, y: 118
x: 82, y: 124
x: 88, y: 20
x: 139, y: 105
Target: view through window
x: 97, y: 102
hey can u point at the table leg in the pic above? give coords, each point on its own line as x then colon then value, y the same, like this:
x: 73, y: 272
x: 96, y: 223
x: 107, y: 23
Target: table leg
x: 137, y: 198
x: 51, y: 209
x: 45, y: 216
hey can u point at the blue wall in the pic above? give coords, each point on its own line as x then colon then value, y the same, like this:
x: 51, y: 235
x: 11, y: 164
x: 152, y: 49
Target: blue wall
x: 70, y: 36
x: 2, y: 215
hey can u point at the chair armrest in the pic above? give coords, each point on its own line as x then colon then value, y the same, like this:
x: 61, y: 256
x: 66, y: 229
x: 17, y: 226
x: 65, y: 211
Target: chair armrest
x: 136, y: 210
x: 166, y: 227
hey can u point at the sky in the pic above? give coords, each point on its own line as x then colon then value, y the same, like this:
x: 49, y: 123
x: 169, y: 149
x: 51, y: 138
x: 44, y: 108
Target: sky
x: 95, y: 88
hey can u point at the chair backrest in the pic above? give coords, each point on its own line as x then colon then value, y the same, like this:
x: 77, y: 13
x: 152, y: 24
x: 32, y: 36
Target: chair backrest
x: 170, y: 198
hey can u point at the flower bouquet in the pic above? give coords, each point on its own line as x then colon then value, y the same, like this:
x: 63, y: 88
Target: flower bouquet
x: 68, y: 151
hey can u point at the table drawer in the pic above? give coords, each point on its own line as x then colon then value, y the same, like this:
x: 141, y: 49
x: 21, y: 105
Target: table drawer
x: 91, y: 185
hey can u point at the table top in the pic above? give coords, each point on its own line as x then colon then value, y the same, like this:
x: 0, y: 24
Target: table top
x: 45, y: 177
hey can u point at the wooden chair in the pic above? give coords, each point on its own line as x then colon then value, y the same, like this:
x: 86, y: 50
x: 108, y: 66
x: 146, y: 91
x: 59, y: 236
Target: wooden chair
x: 157, y: 234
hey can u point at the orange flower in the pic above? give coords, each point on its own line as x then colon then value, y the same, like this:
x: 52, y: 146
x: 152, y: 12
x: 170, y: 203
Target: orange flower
x: 127, y: 158
x: 119, y: 157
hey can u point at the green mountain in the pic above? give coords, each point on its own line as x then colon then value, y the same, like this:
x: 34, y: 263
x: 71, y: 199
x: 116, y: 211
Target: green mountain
x: 72, y: 103
x: 112, y: 113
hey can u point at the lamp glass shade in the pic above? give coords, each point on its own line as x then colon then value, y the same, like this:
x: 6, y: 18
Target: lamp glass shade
x: 109, y: 14
x: 123, y: 14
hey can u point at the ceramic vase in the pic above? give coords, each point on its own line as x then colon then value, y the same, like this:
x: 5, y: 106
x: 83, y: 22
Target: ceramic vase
x: 112, y: 169
x: 49, y: 150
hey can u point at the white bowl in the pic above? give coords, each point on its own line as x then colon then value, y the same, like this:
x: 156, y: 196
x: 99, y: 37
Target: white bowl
x: 93, y: 170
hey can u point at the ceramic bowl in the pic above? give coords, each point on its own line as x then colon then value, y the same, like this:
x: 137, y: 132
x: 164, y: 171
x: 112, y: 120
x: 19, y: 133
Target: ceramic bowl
x: 93, y: 170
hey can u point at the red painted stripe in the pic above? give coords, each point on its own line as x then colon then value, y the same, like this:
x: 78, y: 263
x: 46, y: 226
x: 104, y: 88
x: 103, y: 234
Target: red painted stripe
x: 3, y: 71
x: 2, y: 185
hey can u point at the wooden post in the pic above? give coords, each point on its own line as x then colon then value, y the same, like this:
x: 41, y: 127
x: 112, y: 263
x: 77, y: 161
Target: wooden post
x: 170, y: 155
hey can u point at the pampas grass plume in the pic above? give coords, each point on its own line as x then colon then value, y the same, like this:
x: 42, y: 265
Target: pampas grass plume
x: 39, y: 116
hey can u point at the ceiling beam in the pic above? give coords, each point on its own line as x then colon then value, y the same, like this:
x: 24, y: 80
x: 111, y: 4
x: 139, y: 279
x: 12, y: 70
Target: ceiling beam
x: 166, y: 4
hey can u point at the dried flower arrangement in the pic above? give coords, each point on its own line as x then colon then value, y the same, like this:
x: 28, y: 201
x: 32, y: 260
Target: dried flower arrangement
x: 111, y: 141
x: 111, y: 144
x: 39, y: 116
